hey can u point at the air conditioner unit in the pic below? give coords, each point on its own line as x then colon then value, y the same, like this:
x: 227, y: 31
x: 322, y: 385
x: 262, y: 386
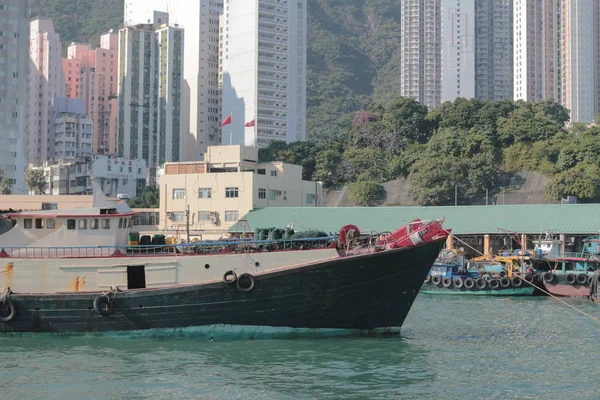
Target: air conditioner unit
x: 279, y: 193
x: 214, y: 220
x: 169, y: 214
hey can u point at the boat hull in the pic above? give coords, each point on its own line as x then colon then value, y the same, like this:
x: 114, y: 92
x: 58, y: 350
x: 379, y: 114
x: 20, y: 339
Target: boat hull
x: 360, y: 292
x: 521, y: 291
x: 567, y: 290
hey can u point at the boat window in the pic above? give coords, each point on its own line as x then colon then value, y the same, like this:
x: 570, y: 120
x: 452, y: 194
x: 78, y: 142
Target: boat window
x: 28, y: 223
x: 50, y: 223
x: 39, y: 223
x: 108, y: 211
x: 70, y: 224
x: 106, y: 223
x: 83, y: 224
x: 94, y: 223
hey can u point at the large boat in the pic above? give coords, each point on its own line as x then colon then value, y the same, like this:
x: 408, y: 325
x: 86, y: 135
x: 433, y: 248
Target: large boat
x: 73, y: 272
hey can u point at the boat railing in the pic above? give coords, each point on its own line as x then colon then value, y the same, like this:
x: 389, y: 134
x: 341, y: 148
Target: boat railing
x: 205, y: 247
x: 372, y: 241
x: 572, y: 254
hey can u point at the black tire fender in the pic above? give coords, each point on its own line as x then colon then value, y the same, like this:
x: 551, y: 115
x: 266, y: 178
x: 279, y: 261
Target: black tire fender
x: 469, y: 283
x: 446, y: 282
x: 436, y: 279
x: 104, y: 306
x: 481, y: 283
x: 504, y: 282
x: 582, y: 279
x: 243, y: 278
x: 517, y: 281
x: 549, y: 277
x: 458, y: 283
x: 9, y: 310
x: 494, y: 284
x: 428, y: 278
x: 571, y: 278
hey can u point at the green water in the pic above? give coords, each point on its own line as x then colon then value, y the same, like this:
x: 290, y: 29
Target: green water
x: 451, y: 348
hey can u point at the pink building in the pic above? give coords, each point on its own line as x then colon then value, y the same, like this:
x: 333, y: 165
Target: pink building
x: 45, y: 84
x: 91, y: 75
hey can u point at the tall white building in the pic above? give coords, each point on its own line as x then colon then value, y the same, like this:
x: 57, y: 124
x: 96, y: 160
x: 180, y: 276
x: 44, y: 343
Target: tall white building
x: 421, y: 47
x: 537, y: 50
x: 264, y: 71
x: 45, y: 83
x: 493, y: 49
x: 14, y: 70
x: 458, y: 49
x: 150, y: 84
x: 581, y: 59
x: 200, y: 20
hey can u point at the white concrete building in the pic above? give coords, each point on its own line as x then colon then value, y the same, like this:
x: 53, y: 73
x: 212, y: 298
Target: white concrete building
x: 14, y: 70
x: 264, y: 71
x: 458, y: 49
x: 581, y: 59
x: 226, y: 186
x: 72, y: 130
x: 116, y: 177
x: 200, y: 20
x: 537, y: 50
x: 45, y: 83
x: 150, y: 86
x: 420, y: 53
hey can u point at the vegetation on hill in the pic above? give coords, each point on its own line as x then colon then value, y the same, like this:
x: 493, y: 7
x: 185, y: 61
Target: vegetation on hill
x: 466, y: 145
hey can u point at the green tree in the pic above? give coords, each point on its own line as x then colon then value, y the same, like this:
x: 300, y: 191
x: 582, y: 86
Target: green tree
x: 581, y: 181
x: 366, y: 193
x: 149, y: 198
x: 5, y: 185
x: 36, y: 181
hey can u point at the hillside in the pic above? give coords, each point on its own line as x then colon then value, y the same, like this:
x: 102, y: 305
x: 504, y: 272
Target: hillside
x: 353, y: 51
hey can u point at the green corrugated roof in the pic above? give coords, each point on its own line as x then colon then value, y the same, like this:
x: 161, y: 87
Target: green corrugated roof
x: 533, y: 219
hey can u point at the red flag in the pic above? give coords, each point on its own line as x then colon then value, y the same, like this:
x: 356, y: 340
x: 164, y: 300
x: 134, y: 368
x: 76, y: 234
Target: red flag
x: 227, y: 121
x: 249, y: 124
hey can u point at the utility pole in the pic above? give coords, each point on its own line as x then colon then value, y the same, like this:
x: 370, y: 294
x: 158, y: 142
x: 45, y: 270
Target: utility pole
x: 187, y: 222
x: 455, y: 195
x: 486, y: 197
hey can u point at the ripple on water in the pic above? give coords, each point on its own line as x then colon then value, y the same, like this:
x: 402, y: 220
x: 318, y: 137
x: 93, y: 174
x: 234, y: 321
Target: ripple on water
x: 450, y: 348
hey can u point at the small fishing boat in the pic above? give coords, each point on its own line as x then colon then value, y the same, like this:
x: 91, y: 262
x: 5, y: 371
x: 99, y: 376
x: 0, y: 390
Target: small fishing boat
x: 449, y: 276
x: 73, y: 272
x: 567, y: 274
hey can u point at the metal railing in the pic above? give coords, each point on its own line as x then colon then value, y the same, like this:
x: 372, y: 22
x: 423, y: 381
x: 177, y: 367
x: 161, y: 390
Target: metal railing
x: 205, y: 247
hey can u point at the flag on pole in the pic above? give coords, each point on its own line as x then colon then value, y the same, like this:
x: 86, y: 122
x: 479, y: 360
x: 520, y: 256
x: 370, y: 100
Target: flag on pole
x: 227, y: 121
x: 249, y: 124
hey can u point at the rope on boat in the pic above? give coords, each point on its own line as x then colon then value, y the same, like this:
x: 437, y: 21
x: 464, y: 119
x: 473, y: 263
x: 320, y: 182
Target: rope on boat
x: 532, y: 284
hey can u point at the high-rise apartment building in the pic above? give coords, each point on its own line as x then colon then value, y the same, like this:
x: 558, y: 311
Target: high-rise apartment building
x: 91, y: 75
x: 581, y: 59
x: 71, y: 130
x: 264, y: 71
x: 14, y: 70
x: 537, y: 50
x: 150, y: 83
x: 458, y: 49
x: 421, y: 47
x: 493, y: 49
x: 45, y: 83
x: 200, y: 20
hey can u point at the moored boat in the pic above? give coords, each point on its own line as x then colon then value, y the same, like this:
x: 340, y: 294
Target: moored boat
x: 451, y: 277
x: 72, y: 272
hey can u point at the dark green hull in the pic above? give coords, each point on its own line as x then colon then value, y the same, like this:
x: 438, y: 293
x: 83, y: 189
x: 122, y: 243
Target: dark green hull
x: 429, y: 288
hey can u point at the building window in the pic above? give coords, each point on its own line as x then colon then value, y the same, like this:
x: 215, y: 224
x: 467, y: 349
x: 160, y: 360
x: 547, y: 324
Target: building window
x: 204, y: 193
x: 83, y: 224
x: 274, y: 173
x: 231, y: 216
x: 309, y: 198
x: 231, y: 192
x: 71, y: 224
x: 261, y: 171
x: 28, y: 223
x: 203, y: 216
x: 272, y: 194
x: 179, y: 193
x: 39, y: 223
x: 105, y: 223
x: 50, y: 223
x: 262, y: 193
x: 94, y: 223
x: 178, y: 216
